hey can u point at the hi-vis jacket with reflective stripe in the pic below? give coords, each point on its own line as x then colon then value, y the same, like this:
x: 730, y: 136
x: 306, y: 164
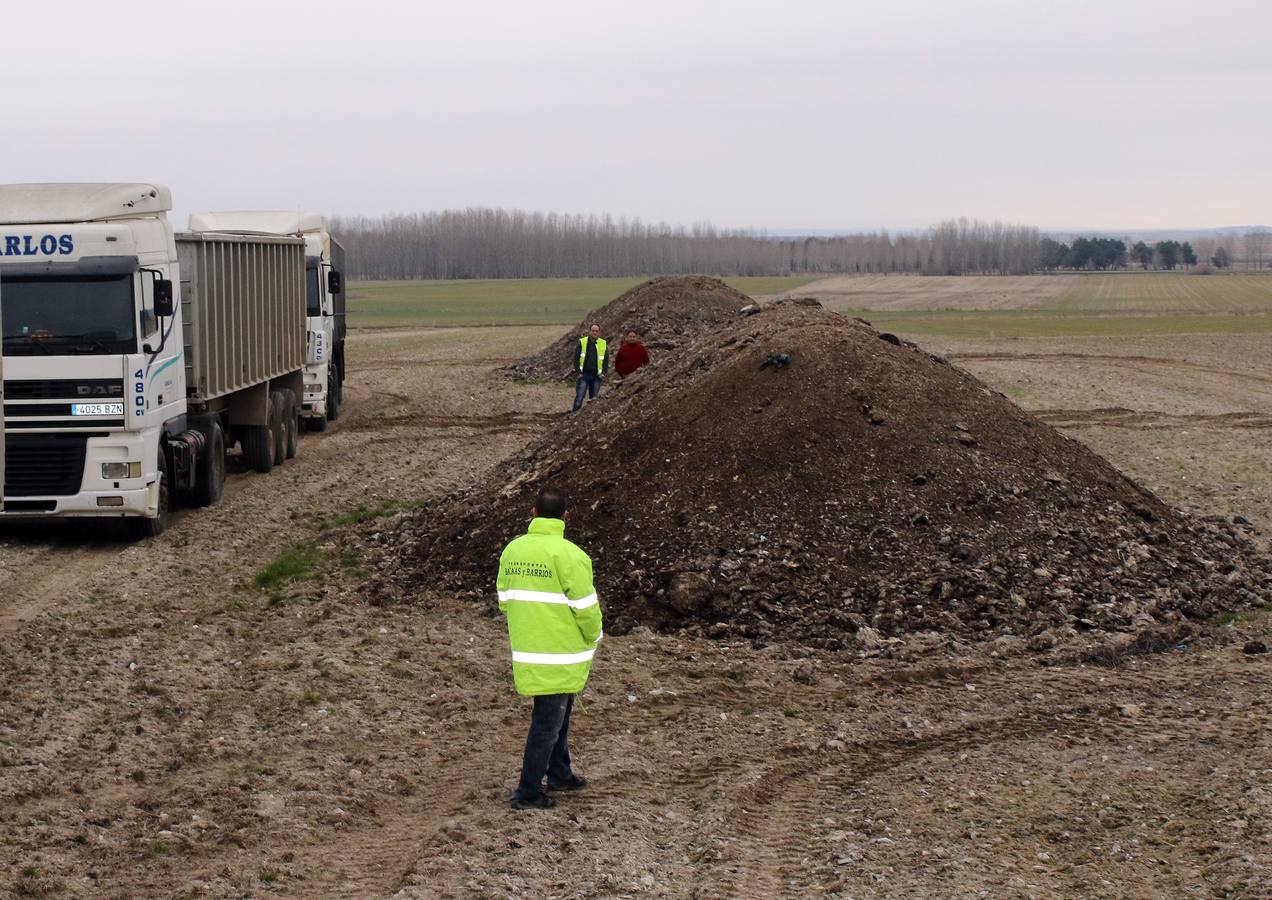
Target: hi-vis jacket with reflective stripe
x: 600, y: 354
x: 554, y: 622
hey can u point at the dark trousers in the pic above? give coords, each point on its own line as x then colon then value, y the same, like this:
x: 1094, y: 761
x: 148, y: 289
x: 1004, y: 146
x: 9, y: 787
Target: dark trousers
x: 588, y: 384
x: 547, y: 752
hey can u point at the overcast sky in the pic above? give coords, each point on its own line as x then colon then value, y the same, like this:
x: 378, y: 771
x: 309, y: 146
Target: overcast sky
x: 840, y: 114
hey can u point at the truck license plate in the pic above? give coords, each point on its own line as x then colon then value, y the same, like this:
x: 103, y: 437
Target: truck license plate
x: 97, y: 409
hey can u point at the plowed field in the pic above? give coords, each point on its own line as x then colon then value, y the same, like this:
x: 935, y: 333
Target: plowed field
x: 169, y: 729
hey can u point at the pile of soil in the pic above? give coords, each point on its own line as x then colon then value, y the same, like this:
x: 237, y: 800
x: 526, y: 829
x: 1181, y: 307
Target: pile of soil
x: 666, y: 312
x: 862, y: 490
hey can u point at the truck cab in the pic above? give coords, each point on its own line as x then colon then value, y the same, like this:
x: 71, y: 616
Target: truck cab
x: 325, y: 300
x: 93, y: 374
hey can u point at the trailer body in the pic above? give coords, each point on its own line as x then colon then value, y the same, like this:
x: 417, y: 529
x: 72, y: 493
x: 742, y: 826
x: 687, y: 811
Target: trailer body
x: 243, y: 314
x: 324, y: 374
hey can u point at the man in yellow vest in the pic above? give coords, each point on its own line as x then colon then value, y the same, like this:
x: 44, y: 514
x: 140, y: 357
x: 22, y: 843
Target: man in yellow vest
x: 554, y: 625
x: 589, y: 363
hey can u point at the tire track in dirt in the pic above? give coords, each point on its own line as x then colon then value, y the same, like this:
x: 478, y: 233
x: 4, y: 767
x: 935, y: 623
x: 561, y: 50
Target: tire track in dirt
x: 1112, y: 358
x: 376, y: 856
x: 1123, y: 417
x: 772, y: 821
x: 396, y: 365
x: 761, y: 815
x: 499, y: 422
x: 50, y: 575
x: 772, y: 839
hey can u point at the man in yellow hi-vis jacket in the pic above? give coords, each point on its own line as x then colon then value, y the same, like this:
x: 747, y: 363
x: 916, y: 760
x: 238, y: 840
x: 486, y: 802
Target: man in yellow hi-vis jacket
x: 590, y: 365
x: 554, y: 624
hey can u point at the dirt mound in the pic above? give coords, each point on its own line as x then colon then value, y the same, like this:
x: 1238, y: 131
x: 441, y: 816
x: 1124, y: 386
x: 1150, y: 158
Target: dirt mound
x: 800, y: 475
x: 666, y: 312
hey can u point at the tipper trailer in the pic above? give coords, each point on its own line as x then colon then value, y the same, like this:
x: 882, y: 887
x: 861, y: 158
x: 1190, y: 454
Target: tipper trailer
x: 135, y: 357
x: 324, y: 300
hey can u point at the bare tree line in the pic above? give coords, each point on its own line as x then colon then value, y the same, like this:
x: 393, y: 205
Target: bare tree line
x: 500, y: 243
x: 1251, y: 251
x: 1256, y: 248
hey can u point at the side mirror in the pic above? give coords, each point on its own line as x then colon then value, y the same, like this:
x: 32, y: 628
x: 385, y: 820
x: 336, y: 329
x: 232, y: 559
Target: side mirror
x: 163, y: 297
x: 335, y: 282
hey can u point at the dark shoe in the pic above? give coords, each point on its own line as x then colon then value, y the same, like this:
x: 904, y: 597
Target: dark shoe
x: 538, y: 801
x: 574, y: 783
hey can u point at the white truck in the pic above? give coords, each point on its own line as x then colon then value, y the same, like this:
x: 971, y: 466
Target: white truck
x: 324, y: 298
x: 134, y: 357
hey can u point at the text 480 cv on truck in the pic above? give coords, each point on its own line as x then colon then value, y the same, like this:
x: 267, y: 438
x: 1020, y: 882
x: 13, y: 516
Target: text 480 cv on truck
x: 134, y: 357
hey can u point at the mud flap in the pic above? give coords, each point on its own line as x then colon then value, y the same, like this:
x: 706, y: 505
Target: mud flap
x: 250, y: 406
x: 152, y: 499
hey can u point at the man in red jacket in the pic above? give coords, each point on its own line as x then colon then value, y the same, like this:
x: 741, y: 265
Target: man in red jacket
x: 631, y: 356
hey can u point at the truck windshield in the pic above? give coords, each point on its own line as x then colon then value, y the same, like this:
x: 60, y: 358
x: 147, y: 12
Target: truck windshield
x: 63, y: 315
x: 313, y: 295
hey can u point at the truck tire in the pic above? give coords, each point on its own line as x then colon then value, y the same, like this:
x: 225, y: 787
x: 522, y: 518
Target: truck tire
x: 210, y: 481
x: 258, y: 447
x: 292, y: 413
x: 148, y: 528
x: 278, y: 425
x: 334, y: 391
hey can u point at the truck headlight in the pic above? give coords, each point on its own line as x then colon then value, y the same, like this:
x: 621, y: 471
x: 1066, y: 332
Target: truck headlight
x: 114, y: 470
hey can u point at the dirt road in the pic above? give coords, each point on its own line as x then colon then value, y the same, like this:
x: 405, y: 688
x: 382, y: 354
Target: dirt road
x: 964, y: 292
x: 169, y: 730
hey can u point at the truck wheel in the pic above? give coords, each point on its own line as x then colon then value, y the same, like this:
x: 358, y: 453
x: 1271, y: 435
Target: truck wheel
x: 278, y: 425
x: 148, y: 528
x: 258, y: 446
x: 210, y: 482
x: 334, y: 390
x: 292, y: 413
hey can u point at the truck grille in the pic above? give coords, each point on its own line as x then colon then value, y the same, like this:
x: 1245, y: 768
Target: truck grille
x: 82, y: 390
x: 43, y: 465
x: 23, y: 413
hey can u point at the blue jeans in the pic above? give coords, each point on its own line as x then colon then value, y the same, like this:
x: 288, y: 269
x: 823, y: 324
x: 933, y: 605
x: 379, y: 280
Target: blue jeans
x: 547, y: 752
x: 588, y: 384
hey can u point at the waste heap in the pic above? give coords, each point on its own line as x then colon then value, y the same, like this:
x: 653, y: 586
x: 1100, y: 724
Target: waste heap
x: 799, y: 475
x: 666, y: 312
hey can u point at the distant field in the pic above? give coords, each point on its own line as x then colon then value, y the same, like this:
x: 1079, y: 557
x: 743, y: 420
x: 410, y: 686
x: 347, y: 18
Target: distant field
x: 1155, y: 293
x: 513, y: 301
x: 1059, y: 305
x: 936, y: 292
x: 1039, y: 323
x: 958, y: 306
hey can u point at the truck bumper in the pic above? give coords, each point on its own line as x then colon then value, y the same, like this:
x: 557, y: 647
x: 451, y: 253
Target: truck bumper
x: 313, y: 404
x: 99, y: 497
x: 95, y: 504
